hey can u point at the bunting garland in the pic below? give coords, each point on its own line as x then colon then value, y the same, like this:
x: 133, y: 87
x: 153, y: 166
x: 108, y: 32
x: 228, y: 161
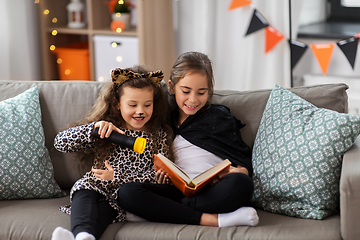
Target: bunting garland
x: 297, y: 50
x: 349, y: 48
x: 273, y: 37
x: 239, y: 3
x: 257, y: 22
x: 323, y: 52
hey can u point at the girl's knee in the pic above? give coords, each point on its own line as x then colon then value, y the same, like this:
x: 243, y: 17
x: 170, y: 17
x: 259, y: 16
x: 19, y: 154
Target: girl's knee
x: 128, y: 194
x: 127, y: 188
x: 241, y: 182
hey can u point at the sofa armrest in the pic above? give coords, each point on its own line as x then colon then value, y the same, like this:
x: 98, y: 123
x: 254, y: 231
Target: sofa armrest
x: 350, y: 193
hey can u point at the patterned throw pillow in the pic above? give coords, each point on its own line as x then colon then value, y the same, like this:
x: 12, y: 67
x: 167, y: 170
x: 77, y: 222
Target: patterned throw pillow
x: 297, y: 156
x: 26, y: 170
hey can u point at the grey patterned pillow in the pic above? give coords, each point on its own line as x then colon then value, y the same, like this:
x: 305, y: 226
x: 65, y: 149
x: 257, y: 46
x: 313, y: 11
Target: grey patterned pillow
x: 25, y: 167
x: 297, y: 156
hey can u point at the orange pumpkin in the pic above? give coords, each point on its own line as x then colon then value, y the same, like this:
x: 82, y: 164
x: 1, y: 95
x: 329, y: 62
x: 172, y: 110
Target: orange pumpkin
x: 117, y: 26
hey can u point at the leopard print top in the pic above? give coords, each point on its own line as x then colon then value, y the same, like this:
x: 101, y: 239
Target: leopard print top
x: 129, y: 166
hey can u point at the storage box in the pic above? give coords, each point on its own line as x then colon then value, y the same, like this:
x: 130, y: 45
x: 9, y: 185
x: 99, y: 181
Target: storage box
x: 73, y: 61
x: 114, y: 52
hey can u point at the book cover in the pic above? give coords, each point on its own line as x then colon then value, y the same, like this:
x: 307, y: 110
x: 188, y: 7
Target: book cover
x: 182, y: 181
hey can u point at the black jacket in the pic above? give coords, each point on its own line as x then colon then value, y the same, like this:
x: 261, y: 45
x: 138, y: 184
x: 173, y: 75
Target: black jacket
x: 214, y: 129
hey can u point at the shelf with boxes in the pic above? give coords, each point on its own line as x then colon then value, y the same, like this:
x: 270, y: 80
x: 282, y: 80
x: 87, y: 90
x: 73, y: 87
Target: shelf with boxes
x: 150, y: 42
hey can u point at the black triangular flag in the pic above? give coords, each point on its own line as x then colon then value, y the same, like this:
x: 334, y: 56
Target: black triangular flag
x: 257, y: 22
x: 349, y: 48
x: 297, y: 50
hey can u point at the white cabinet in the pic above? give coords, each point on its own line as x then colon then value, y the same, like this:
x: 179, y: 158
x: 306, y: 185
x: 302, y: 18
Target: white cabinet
x: 113, y: 52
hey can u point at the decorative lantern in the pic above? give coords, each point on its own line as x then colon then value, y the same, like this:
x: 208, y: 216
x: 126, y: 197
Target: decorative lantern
x: 76, y: 14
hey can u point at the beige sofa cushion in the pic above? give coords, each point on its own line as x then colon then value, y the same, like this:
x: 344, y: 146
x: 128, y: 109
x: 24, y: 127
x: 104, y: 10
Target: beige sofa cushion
x: 271, y: 226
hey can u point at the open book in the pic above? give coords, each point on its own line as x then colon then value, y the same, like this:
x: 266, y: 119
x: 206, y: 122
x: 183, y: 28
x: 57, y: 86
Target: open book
x: 182, y: 181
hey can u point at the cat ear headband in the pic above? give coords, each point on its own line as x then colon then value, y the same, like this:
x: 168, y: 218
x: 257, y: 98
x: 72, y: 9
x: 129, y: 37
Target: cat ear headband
x: 119, y: 76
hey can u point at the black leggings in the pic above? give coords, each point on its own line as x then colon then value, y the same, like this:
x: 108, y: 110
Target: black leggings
x: 90, y: 215
x: 165, y: 203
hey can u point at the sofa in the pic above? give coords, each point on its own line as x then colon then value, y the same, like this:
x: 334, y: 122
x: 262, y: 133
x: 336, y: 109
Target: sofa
x: 64, y: 102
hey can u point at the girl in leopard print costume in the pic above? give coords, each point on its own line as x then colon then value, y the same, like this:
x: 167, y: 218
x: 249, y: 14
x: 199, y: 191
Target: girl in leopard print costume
x: 134, y: 105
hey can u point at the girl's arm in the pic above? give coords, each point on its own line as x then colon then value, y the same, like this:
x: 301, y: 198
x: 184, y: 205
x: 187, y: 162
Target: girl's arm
x: 237, y: 169
x: 163, y: 143
x: 75, y: 139
x: 105, y: 129
x: 161, y: 176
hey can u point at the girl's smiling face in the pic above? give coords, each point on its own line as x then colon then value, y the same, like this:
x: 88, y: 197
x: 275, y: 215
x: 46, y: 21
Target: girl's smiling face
x: 191, y: 94
x: 136, y: 106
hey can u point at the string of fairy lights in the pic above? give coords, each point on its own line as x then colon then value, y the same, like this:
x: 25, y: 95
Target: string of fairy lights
x: 55, y: 32
x: 53, y: 20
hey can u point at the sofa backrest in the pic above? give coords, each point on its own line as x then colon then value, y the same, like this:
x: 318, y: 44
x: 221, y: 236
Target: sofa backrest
x: 65, y: 102
x: 248, y: 106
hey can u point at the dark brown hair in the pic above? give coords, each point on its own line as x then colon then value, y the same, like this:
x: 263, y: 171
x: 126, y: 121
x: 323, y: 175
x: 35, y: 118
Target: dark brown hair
x: 193, y: 62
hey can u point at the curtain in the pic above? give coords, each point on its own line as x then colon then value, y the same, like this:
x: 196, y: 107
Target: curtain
x: 20, y: 57
x: 239, y: 61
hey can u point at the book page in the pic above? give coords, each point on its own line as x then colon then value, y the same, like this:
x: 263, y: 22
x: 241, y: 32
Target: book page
x: 181, y: 173
x: 211, y: 171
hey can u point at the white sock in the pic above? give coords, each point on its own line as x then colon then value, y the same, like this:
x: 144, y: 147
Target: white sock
x: 62, y: 234
x: 84, y: 236
x: 246, y: 216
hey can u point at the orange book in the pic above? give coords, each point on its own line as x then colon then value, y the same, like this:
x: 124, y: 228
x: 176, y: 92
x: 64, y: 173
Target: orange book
x: 182, y: 181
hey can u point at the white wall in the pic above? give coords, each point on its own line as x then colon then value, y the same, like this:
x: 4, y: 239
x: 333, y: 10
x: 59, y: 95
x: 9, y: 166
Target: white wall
x: 20, y: 56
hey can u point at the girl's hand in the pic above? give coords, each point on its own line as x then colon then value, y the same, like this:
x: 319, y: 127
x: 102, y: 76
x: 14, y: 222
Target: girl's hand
x: 107, y: 174
x: 161, y: 177
x: 237, y: 169
x: 105, y: 128
x: 220, y: 176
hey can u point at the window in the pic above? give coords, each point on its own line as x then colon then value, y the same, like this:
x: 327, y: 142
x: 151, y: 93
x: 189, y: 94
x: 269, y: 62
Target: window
x: 344, y: 10
x: 350, y: 3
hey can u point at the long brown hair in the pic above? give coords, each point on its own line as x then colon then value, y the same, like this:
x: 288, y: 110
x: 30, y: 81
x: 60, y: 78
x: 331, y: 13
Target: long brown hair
x: 106, y: 109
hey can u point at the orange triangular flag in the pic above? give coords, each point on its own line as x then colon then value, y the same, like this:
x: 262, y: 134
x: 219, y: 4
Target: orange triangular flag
x: 323, y: 52
x: 239, y: 3
x: 273, y: 36
x: 357, y: 35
